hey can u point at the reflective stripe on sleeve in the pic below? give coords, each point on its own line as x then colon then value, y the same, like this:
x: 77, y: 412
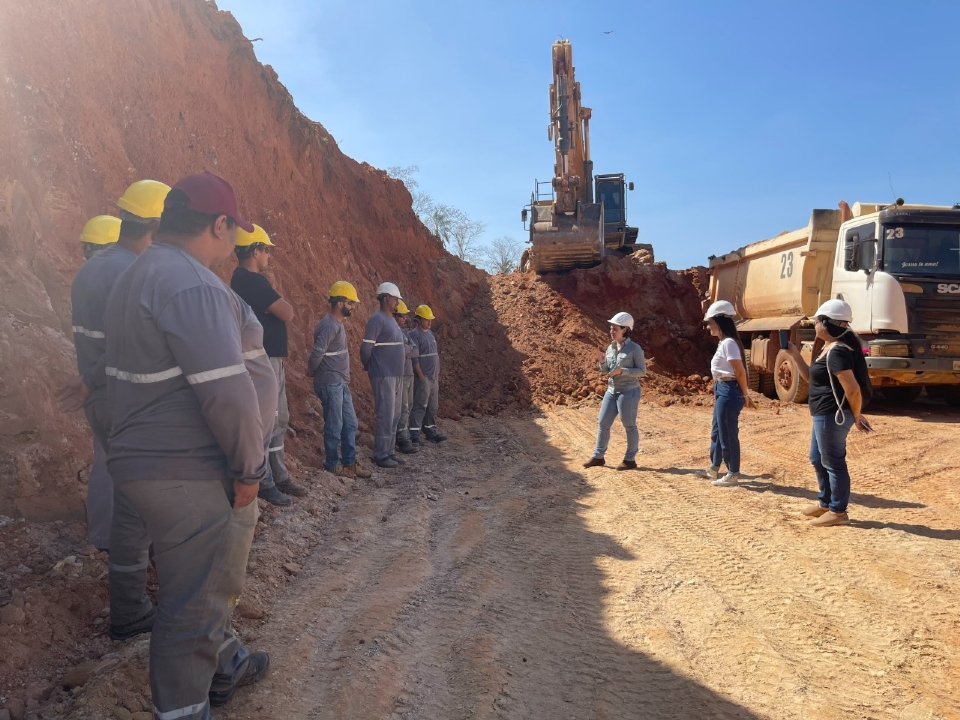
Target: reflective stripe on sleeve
x: 428, y: 354
x: 389, y: 343
x: 276, y: 449
x: 129, y: 568
x: 338, y: 352
x: 144, y: 378
x: 251, y: 354
x: 216, y: 374
x: 95, y: 334
x: 369, y: 341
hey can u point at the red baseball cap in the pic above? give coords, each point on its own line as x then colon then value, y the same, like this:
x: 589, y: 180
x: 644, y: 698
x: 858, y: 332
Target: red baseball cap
x: 210, y: 194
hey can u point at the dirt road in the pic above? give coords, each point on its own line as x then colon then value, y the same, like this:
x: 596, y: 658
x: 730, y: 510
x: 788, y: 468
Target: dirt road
x: 502, y: 581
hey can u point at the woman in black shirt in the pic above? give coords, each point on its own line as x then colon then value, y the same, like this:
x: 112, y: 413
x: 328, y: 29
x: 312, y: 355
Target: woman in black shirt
x: 835, y: 404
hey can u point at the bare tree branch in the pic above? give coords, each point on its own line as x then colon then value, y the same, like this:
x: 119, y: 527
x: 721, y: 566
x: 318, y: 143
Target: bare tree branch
x: 502, y: 255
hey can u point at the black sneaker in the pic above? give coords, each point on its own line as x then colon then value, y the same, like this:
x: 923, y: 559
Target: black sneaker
x: 274, y: 496
x: 257, y: 665
x: 438, y: 438
x: 137, y: 627
x: 291, y: 488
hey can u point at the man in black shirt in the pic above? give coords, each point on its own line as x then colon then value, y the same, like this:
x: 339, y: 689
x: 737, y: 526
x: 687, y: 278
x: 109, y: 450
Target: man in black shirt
x: 273, y: 312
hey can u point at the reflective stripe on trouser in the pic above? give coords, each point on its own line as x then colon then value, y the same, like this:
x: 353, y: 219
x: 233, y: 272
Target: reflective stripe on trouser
x: 277, y: 456
x: 201, y: 544
x: 386, y: 398
x: 99, y: 500
x: 406, y: 405
x: 128, y: 541
x: 426, y: 396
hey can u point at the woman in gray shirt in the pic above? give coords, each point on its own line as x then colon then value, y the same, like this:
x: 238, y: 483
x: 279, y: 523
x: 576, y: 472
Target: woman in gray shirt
x: 624, y: 365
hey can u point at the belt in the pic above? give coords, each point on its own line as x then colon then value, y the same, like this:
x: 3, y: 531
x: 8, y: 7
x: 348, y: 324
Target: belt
x: 733, y: 379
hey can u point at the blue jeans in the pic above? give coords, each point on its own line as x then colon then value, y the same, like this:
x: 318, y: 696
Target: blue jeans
x: 828, y: 453
x: 339, y: 424
x: 625, y: 405
x: 725, y: 433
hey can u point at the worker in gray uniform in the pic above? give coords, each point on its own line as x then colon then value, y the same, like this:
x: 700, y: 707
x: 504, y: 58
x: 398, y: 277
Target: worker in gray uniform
x: 329, y: 365
x: 131, y: 611
x: 404, y: 444
x: 194, y: 399
x: 426, y: 368
x: 99, y: 233
x: 382, y: 355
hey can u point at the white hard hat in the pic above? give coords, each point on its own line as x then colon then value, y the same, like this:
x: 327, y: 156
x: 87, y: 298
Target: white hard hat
x: 720, y: 307
x: 622, y: 319
x: 835, y: 310
x: 388, y: 288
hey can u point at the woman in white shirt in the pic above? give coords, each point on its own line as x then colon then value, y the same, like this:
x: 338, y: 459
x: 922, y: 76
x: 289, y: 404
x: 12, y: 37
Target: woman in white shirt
x: 730, y: 391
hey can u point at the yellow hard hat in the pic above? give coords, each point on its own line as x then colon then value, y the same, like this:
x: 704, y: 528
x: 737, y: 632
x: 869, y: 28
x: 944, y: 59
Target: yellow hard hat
x: 425, y: 312
x: 259, y: 235
x: 341, y: 288
x: 402, y: 308
x: 101, y: 230
x: 144, y: 198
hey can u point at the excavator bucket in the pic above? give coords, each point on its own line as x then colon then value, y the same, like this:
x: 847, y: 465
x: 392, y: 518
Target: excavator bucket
x: 561, y: 242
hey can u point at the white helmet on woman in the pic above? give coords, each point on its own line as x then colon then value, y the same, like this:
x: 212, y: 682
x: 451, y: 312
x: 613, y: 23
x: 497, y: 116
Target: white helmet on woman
x: 835, y: 310
x: 622, y: 319
x: 720, y: 307
x: 388, y: 288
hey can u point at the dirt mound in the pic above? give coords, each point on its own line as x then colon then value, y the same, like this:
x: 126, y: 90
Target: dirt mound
x: 176, y: 90
x: 530, y: 338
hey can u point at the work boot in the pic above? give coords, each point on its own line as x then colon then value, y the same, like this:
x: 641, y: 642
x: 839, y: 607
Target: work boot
x: 407, y: 447
x: 387, y: 462
x: 731, y: 479
x: 595, y: 462
x: 436, y: 438
x: 291, y: 488
x: 398, y: 461
x: 125, y: 632
x: 627, y: 465
x: 831, y: 518
x: 711, y: 473
x: 415, y: 438
x: 346, y: 471
x: 274, y: 496
x: 360, y: 471
x: 815, y: 510
x: 257, y: 665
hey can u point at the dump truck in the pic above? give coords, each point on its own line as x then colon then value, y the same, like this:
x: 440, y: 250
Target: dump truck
x: 576, y: 219
x: 897, y: 265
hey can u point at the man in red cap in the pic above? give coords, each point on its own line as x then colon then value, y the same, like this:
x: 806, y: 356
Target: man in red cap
x: 193, y: 397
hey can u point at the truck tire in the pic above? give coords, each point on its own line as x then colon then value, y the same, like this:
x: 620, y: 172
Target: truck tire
x: 951, y: 393
x: 903, y: 395
x: 753, y: 376
x: 791, y: 387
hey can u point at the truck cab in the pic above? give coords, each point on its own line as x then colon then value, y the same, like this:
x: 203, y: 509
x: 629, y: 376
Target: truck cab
x: 610, y: 191
x: 898, y: 267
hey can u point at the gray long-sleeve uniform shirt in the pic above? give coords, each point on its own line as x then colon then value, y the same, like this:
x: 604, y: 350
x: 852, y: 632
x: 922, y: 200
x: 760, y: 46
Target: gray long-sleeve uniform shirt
x: 630, y: 359
x: 329, y: 361
x: 410, y: 352
x: 88, y: 294
x: 382, y: 352
x: 192, y: 391
x: 428, y: 359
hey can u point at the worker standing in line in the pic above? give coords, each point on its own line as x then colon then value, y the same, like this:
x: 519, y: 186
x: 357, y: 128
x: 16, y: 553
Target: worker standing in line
x: 404, y: 443
x: 253, y: 252
x: 426, y: 368
x: 382, y: 355
x: 131, y: 611
x: 98, y: 234
x: 624, y: 364
x: 194, y: 397
x: 329, y: 365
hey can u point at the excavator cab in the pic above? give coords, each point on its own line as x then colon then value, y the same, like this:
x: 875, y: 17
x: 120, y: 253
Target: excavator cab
x: 611, y: 193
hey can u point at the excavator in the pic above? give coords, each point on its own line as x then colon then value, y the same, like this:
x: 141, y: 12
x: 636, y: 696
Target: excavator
x: 581, y: 218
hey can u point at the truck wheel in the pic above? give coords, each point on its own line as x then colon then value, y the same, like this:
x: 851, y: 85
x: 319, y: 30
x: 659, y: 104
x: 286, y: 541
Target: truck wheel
x: 791, y: 387
x: 753, y: 376
x: 902, y: 395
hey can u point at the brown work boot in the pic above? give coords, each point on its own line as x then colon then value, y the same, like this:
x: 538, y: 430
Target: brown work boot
x: 344, y: 471
x: 594, y: 462
x: 355, y: 471
x: 815, y: 510
x: 831, y: 518
x: 627, y: 465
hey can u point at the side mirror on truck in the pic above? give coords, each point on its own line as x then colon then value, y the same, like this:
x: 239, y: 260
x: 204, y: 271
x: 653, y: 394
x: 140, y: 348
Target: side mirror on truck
x: 851, y: 253
x: 867, y: 255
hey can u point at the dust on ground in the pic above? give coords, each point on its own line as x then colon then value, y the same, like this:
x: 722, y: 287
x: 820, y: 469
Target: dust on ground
x: 494, y: 577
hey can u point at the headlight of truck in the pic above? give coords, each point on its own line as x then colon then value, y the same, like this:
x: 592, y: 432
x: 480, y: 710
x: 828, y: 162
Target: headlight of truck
x: 889, y: 349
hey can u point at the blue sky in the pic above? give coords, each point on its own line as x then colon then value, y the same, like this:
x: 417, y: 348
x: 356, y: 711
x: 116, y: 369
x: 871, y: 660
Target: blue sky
x: 734, y: 119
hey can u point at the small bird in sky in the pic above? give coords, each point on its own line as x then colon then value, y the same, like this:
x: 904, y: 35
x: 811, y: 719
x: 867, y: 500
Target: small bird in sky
x: 607, y: 32
x: 255, y: 39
